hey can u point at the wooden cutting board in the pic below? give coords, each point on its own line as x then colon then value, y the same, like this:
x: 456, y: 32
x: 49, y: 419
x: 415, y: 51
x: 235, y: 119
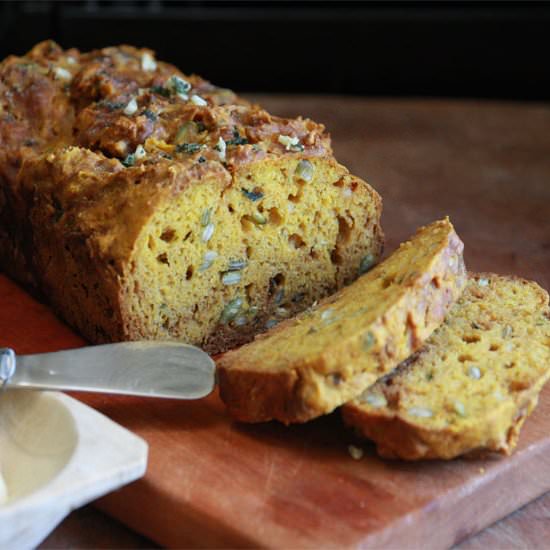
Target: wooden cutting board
x: 212, y: 482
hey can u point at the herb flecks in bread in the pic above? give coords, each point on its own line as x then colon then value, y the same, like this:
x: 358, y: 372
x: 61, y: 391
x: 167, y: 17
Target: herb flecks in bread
x: 327, y: 355
x: 472, y: 385
x: 146, y: 203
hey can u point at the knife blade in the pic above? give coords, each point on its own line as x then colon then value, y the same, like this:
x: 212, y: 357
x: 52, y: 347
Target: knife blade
x: 148, y: 368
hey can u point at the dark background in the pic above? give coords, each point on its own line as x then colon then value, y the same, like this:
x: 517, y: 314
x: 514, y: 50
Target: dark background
x: 457, y: 49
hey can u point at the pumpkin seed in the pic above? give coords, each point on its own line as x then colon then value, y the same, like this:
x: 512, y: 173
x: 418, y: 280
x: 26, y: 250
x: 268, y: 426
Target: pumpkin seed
x: 474, y: 372
x: 421, y: 412
x: 208, y: 260
x: 231, y: 278
x: 279, y: 296
x: 258, y: 218
x: 327, y: 314
x: 205, y: 216
x: 507, y: 331
x: 131, y: 107
x: 366, y: 263
x: 355, y: 452
x: 304, y: 170
x: 282, y: 312
x: 459, y: 408
x: 375, y: 400
x: 208, y: 232
x: 368, y: 341
x: 231, y: 310
x: 236, y: 265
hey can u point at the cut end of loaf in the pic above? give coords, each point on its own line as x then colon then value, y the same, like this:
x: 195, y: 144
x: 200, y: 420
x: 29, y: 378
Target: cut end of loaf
x: 223, y: 261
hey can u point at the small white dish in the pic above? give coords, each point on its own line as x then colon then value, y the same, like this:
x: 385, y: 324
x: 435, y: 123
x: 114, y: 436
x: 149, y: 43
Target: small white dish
x: 57, y: 454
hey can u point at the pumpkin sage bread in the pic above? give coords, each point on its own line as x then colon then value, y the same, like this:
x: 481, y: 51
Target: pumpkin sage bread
x: 327, y: 355
x: 472, y: 385
x: 146, y: 203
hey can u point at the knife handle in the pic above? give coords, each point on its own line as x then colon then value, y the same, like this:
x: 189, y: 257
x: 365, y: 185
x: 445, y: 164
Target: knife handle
x: 7, y: 365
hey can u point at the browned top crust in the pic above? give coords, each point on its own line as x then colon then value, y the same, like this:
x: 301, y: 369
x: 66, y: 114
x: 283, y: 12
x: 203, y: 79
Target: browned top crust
x: 53, y: 98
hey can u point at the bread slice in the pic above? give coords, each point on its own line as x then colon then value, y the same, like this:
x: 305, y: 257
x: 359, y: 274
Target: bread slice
x: 473, y: 384
x: 144, y: 203
x: 309, y: 365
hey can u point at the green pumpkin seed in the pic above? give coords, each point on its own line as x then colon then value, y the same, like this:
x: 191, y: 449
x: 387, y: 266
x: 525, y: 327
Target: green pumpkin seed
x: 304, y: 170
x: 366, y: 263
x: 368, y: 341
x: 258, y: 218
x: 231, y: 278
x: 231, y: 310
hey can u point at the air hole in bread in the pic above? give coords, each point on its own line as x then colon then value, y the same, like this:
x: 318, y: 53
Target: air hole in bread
x: 494, y: 347
x: 189, y: 272
x: 336, y: 257
x: 276, y: 287
x: 388, y: 281
x: 168, y: 235
x: 295, y: 198
x: 410, y: 331
x: 296, y: 241
x: 151, y: 243
x: 313, y: 254
x: 230, y: 208
x: 436, y: 283
x: 274, y: 217
x: 339, y: 183
x: 471, y: 338
x: 344, y: 230
x: 187, y: 235
x: 517, y: 385
x: 163, y: 258
x: 465, y: 357
x: 246, y: 224
x: 249, y: 251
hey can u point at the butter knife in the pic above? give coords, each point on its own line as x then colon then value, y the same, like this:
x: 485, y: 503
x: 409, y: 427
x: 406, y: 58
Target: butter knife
x: 148, y: 368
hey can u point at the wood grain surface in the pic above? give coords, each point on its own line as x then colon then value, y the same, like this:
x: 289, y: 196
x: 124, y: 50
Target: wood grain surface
x: 212, y: 482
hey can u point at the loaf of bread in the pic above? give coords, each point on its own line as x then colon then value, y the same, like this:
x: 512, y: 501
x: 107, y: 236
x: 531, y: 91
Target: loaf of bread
x: 473, y: 384
x: 327, y: 355
x: 144, y: 203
